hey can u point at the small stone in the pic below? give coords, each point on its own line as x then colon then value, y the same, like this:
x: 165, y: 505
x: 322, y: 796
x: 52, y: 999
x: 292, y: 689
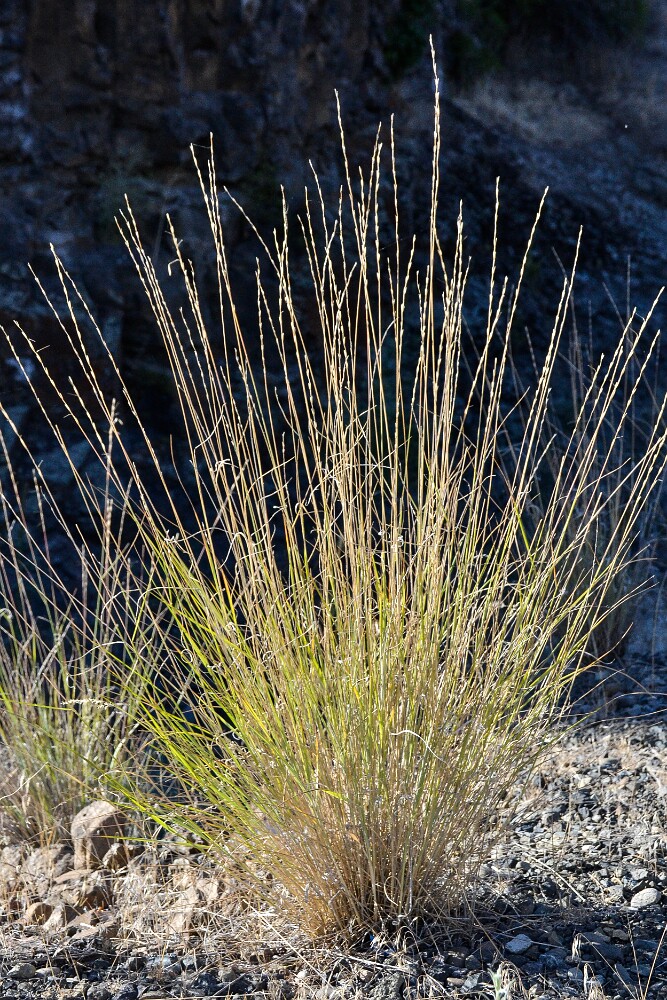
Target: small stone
x: 93, y: 829
x: 22, y: 971
x: 518, y: 944
x: 646, y: 897
x: 575, y: 975
x: 623, y: 973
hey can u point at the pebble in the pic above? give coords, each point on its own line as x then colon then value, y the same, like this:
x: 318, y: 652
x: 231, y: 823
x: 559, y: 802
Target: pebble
x: 98, y: 991
x: 518, y: 944
x: 646, y: 897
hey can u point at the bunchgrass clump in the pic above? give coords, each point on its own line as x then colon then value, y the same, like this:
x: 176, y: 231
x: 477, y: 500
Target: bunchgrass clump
x: 363, y: 637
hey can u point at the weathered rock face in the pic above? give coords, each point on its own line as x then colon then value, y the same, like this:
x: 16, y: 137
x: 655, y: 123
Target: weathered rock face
x: 102, y: 98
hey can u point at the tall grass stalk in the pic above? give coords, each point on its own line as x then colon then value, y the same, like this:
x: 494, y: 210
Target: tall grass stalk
x: 638, y: 402
x: 366, y: 641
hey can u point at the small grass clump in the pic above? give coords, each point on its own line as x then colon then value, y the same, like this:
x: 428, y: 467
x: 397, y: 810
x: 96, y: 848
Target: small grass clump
x: 69, y: 729
x: 363, y: 637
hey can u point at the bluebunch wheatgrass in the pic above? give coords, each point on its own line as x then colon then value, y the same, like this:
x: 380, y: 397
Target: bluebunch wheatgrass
x: 366, y: 638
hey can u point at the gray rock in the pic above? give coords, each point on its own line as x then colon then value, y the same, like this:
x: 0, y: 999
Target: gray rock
x: 47, y: 862
x: 22, y: 971
x: 646, y: 897
x: 98, y: 991
x: 518, y: 944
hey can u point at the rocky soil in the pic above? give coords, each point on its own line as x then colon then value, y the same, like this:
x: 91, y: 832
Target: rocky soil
x: 572, y: 904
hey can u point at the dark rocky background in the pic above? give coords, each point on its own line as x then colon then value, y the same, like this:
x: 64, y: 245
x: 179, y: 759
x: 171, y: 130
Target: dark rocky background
x: 99, y: 98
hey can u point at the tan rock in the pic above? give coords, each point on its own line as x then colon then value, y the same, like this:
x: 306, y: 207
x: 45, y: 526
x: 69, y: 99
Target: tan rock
x: 11, y: 859
x: 120, y: 854
x: 186, y: 912
x: 38, y: 913
x: 93, y: 830
x: 83, y: 888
